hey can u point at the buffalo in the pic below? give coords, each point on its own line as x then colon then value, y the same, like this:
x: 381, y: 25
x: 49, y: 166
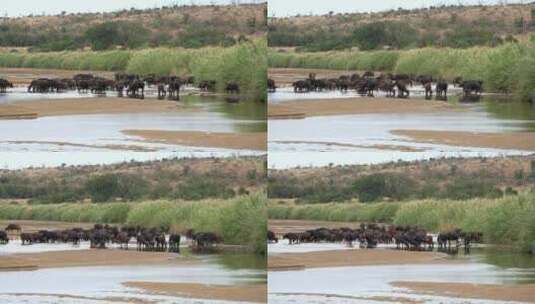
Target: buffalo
x: 4, y: 84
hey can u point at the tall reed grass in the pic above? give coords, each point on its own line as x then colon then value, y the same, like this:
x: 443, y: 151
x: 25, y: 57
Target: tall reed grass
x: 240, y: 221
x: 506, y: 68
x: 244, y: 63
x: 335, y: 60
x: 505, y: 221
x: 340, y: 212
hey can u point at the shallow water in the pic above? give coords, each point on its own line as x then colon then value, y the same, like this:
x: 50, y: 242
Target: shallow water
x: 86, y: 139
x: 343, y: 135
x: 355, y: 284
x: 95, y: 284
x: 28, y: 159
x: 288, y: 94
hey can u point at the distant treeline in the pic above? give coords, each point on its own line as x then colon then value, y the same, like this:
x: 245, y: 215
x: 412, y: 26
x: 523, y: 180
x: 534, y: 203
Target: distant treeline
x: 188, y: 27
x: 244, y: 63
x: 455, y: 27
x: 379, y: 35
x: 167, y: 180
x: 506, y: 68
x: 348, y: 184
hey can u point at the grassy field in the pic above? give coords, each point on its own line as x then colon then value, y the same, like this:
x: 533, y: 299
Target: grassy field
x: 508, y: 67
x: 505, y: 221
x: 240, y: 221
x: 245, y: 63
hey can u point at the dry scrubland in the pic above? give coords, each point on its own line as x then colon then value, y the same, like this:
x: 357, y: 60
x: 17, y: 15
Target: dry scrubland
x: 189, y: 179
x: 454, y: 26
x: 186, y: 26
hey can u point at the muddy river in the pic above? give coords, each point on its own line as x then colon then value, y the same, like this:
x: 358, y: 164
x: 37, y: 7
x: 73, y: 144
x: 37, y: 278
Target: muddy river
x: 104, y: 284
x: 97, y: 138
x: 372, y: 284
x: 368, y: 138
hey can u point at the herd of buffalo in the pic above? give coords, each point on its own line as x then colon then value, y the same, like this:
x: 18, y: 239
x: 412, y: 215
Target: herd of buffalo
x: 371, y: 235
x: 101, y: 236
x: 391, y: 84
x: 131, y: 84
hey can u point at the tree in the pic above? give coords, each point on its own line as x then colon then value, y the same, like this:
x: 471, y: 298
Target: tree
x: 102, y: 36
x: 103, y: 187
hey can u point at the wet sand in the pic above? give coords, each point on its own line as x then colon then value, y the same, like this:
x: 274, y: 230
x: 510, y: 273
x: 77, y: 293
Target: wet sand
x: 81, y: 106
x: 379, y: 147
x: 520, y: 140
x: 249, y: 141
x: 247, y: 293
x: 520, y: 293
x: 357, y: 257
x: 358, y: 105
x: 109, y: 147
x: 92, y: 257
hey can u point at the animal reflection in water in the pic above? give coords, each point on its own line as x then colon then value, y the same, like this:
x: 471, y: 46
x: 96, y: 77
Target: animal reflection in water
x: 102, y: 236
x: 371, y: 235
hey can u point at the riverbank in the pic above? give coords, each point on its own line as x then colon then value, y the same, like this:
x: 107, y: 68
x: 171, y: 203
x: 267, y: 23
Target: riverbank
x: 520, y: 293
x: 248, y: 141
x: 516, y: 140
x: 84, y: 106
x: 92, y: 257
x: 357, y: 105
x: 244, y: 293
x: 357, y: 257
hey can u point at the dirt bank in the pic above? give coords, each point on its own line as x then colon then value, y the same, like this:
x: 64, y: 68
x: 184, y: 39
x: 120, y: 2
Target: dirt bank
x: 245, y: 293
x: 519, y: 141
x: 23, y: 76
x: 357, y: 257
x: 248, y: 141
x: 109, y: 147
x: 80, y: 106
x: 520, y: 293
x: 91, y: 257
x: 334, y: 144
x: 357, y: 105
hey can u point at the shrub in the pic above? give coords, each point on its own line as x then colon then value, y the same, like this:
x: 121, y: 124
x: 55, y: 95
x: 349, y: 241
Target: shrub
x: 102, y: 188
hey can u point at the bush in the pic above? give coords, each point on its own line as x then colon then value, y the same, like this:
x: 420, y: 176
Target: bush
x: 375, y: 187
x: 102, y: 188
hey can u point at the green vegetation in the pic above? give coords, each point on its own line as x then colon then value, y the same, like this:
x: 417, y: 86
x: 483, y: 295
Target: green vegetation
x: 170, y: 180
x: 507, y: 68
x: 382, y: 186
x: 244, y: 63
x: 341, y: 60
x: 505, y: 221
x: 350, y: 212
x: 240, y: 221
x: 177, y: 26
x: 445, y: 26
